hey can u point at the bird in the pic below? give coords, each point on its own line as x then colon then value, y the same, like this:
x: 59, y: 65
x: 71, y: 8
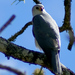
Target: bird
x: 47, y: 37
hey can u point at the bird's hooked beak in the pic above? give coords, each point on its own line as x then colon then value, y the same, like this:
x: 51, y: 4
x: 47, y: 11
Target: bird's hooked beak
x: 41, y: 8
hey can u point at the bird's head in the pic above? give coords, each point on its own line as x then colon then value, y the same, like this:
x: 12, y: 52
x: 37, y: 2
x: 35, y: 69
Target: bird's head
x: 37, y: 9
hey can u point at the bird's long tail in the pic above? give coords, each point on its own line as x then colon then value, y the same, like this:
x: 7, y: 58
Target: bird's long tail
x: 53, y: 58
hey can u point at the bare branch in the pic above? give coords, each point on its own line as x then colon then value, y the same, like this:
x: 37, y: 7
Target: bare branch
x: 28, y: 56
x: 37, y: 1
x: 71, y: 41
x: 11, y: 69
x: 20, y: 32
x: 7, y: 23
x: 67, y: 25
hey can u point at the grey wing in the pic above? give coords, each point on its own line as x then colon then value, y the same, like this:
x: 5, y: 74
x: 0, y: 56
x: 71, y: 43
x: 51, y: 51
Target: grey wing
x: 36, y: 43
x: 45, y: 34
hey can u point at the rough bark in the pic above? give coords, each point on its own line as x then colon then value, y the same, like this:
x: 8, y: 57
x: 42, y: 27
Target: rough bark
x: 29, y: 56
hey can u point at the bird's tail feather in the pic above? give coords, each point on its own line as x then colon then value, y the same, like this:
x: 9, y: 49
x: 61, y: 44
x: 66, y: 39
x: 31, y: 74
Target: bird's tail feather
x: 53, y: 58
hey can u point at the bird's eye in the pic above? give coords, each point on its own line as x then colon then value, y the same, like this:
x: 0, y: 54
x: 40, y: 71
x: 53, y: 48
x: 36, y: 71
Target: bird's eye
x: 37, y: 7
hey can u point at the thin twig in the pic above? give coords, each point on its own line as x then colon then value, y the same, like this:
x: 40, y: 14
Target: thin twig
x: 20, y: 32
x: 7, y: 23
x: 40, y: 70
x: 11, y: 69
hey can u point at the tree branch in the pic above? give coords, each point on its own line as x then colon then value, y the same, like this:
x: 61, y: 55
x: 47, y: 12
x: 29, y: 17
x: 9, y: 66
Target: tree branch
x: 37, y: 1
x: 12, y: 38
x: 7, y: 23
x: 28, y: 56
x: 11, y: 69
x: 67, y: 25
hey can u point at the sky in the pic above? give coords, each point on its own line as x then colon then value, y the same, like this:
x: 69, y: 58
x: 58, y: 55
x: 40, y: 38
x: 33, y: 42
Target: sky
x: 23, y: 12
